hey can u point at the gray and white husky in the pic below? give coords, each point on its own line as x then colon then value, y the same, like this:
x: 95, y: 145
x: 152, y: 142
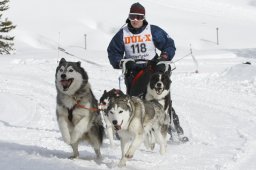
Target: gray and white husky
x: 77, y: 112
x: 103, y: 105
x: 133, y: 119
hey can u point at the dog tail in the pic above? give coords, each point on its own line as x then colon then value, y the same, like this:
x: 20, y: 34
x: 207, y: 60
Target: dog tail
x: 101, y: 133
x: 96, y: 135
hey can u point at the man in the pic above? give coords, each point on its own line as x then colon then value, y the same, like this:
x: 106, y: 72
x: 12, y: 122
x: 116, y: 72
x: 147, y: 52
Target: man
x: 139, y: 40
x: 133, y: 49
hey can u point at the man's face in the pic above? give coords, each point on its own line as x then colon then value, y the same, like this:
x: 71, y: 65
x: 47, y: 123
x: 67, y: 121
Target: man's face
x: 136, y: 20
x: 137, y: 23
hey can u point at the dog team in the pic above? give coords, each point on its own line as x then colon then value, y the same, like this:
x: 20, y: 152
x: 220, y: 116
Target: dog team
x: 134, y: 120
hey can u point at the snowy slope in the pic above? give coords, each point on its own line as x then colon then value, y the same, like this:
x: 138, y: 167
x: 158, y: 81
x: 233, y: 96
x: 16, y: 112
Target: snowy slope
x: 216, y: 107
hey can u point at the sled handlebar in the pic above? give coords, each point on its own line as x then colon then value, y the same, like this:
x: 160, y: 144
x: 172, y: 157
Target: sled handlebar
x: 170, y: 63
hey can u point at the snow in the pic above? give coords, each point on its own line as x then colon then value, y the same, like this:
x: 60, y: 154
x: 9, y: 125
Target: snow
x: 216, y: 107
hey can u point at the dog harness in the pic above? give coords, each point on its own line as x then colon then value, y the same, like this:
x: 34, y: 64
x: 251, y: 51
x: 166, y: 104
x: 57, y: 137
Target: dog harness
x: 78, y: 105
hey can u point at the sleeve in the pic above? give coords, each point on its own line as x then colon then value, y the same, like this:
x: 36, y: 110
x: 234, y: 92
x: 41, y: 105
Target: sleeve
x: 163, y: 41
x: 116, y: 49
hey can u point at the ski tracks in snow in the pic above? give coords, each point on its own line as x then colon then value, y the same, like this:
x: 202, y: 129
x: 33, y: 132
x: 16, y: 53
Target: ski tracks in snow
x: 27, y: 83
x: 214, y: 114
x: 218, y: 119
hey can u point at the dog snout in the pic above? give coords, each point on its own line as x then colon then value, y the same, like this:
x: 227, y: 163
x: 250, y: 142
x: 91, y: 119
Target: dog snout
x: 159, y: 84
x: 114, y: 122
x: 63, y: 76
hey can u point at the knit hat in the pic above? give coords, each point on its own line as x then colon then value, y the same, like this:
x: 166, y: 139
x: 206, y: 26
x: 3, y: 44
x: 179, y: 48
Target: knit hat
x: 137, y: 8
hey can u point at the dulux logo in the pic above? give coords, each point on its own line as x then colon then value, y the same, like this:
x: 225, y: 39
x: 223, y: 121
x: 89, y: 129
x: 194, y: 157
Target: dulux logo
x: 137, y: 38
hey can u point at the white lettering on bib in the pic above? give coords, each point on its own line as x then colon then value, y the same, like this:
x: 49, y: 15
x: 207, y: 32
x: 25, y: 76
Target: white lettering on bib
x: 139, y: 46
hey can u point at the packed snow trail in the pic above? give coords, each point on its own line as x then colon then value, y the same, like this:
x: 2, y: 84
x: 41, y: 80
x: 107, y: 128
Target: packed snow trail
x: 217, y: 116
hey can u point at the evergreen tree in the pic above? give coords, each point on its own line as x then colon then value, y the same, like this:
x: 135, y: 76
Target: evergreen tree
x: 6, y: 41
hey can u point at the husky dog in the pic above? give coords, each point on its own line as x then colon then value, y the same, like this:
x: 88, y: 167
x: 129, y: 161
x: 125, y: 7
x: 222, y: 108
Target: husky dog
x: 77, y: 112
x: 159, y: 89
x: 103, y: 105
x: 107, y: 95
x: 133, y: 118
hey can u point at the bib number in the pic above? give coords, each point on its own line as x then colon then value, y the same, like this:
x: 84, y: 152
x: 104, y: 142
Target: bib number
x: 139, y: 48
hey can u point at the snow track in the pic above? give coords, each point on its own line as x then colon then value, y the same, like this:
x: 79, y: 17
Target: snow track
x: 215, y: 116
x: 218, y: 119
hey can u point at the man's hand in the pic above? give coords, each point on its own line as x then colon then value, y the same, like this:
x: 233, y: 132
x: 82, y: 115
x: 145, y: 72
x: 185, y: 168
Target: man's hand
x: 163, y: 57
x: 126, y: 64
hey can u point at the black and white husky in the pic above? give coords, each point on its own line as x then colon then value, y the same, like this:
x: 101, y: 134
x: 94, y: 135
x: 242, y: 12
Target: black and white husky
x: 159, y: 89
x: 103, y: 105
x: 133, y: 118
x: 77, y: 109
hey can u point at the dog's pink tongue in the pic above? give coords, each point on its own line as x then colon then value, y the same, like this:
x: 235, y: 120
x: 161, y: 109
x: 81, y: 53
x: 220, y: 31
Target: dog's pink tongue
x: 64, y: 82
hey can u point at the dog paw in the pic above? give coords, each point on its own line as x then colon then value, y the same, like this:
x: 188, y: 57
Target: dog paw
x: 184, y: 139
x: 152, y: 147
x: 73, y: 157
x: 128, y: 156
x: 122, y: 164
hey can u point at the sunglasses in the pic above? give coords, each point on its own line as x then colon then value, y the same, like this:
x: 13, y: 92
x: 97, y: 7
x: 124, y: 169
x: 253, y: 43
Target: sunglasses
x: 132, y: 17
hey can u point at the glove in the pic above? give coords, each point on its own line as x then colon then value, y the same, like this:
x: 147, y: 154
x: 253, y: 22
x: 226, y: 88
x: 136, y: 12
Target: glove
x: 152, y: 64
x: 163, y: 57
x: 127, y: 64
x: 162, y: 65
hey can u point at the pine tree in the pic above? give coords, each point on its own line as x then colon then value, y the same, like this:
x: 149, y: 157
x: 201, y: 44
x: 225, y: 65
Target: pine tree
x: 6, y: 41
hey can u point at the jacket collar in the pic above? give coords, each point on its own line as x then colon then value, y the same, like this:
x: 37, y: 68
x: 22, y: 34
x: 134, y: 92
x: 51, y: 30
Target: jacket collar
x: 136, y: 30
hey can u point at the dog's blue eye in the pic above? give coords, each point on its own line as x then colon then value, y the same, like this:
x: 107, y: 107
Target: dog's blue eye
x: 71, y: 70
x: 111, y: 112
x: 61, y: 70
x: 120, y: 111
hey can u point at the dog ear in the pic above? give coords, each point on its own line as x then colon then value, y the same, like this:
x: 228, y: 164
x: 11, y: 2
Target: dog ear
x: 62, y: 60
x: 78, y: 63
x: 127, y: 99
x: 168, y: 73
x: 105, y: 91
x: 169, y: 70
x: 164, y: 67
x: 129, y: 105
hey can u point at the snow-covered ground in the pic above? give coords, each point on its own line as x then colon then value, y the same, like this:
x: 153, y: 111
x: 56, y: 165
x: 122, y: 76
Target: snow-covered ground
x: 216, y: 107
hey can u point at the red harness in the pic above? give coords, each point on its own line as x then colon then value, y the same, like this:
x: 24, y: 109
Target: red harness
x: 137, y: 77
x: 84, y: 107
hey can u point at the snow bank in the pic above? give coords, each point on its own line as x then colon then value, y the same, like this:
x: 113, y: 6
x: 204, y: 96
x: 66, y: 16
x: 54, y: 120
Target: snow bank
x: 241, y: 72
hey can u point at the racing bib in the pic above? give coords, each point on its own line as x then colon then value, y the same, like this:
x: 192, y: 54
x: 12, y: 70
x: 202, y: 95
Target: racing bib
x: 139, y: 46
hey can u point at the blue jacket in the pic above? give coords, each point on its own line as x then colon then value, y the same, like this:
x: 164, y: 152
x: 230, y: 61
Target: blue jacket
x: 161, y: 39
